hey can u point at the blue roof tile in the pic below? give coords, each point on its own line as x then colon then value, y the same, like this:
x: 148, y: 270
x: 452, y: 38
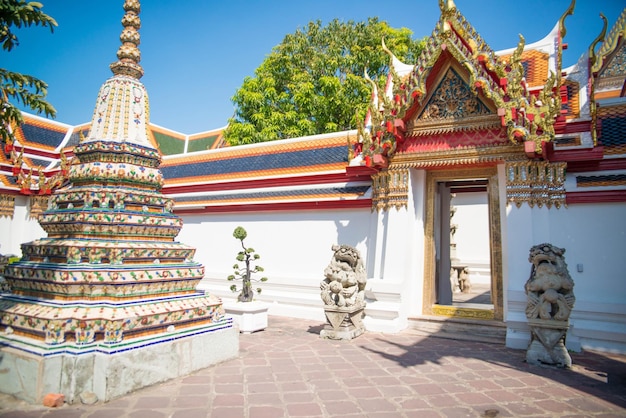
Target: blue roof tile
x: 43, y: 136
x: 291, y: 159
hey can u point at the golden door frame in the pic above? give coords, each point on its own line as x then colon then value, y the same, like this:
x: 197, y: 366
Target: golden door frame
x: 495, y: 246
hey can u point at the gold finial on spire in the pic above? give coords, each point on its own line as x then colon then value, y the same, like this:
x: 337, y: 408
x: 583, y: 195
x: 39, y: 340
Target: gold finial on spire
x: 446, y: 5
x: 128, y: 54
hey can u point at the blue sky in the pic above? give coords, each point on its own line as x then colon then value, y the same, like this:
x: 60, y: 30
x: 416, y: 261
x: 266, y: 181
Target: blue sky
x: 196, y: 53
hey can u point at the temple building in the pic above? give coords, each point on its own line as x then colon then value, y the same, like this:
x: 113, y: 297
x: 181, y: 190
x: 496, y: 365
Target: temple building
x: 107, y: 302
x: 467, y: 159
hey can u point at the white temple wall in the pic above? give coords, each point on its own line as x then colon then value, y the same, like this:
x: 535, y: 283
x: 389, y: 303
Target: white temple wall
x: 20, y: 229
x: 594, y: 237
x: 472, y: 234
x: 295, y: 248
x: 397, y: 280
x: 414, y: 288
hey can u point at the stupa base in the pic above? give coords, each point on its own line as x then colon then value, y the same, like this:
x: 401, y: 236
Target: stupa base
x: 110, y: 371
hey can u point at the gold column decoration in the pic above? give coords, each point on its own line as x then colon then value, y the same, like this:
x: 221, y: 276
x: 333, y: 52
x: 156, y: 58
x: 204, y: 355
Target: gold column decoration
x: 390, y: 188
x: 536, y: 183
x: 37, y: 205
x: 7, y: 205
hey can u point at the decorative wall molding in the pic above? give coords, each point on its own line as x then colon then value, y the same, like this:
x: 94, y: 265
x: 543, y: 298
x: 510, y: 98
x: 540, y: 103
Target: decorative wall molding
x: 37, y: 205
x: 390, y: 189
x: 7, y: 205
x: 536, y: 183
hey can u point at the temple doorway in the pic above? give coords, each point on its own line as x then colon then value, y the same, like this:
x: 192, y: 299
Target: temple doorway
x: 463, y: 247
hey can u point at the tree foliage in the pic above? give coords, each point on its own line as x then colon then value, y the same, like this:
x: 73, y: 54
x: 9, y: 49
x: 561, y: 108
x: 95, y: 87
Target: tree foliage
x: 313, y: 82
x: 22, y: 88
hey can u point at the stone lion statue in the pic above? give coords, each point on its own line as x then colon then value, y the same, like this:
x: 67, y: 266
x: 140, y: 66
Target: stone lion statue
x: 549, y: 289
x: 344, y: 285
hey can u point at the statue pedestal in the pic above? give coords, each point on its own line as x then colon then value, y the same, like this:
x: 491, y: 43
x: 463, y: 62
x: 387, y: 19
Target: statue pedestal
x: 343, y: 323
x: 547, y: 344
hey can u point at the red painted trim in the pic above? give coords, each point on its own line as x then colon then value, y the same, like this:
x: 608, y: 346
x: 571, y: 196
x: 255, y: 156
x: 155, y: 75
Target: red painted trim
x: 602, y: 196
x: 260, y: 183
x: 41, y: 153
x: 584, y: 166
x: 572, y: 155
x: 361, y: 172
x: 574, y: 127
x: 8, y: 171
x: 274, y: 207
x: 11, y: 192
x: 468, y: 189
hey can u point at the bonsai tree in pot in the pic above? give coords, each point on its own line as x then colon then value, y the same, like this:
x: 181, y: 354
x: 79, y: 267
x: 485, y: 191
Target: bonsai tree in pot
x: 244, y: 273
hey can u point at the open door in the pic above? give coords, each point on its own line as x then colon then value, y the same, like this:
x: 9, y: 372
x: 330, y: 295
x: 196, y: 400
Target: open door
x: 463, y: 271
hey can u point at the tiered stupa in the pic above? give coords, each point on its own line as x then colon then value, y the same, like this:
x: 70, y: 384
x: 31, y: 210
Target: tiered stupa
x: 107, y: 303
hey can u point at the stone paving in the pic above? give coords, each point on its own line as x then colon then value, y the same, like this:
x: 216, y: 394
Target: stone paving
x: 289, y: 371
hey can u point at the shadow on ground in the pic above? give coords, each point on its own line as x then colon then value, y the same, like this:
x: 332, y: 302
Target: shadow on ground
x: 602, y: 375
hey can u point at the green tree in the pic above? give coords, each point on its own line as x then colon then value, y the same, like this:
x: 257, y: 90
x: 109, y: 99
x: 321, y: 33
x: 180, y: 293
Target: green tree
x: 313, y: 82
x: 25, y: 89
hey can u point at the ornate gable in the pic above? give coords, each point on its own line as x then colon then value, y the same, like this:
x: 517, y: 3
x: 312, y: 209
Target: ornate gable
x: 608, y: 64
x: 452, y: 106
x: 495, y: 95
x: 462, y: 105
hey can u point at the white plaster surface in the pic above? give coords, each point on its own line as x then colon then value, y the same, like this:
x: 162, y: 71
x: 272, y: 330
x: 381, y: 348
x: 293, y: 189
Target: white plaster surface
x: 472, y: 234
x: 30, y: 377
x: 19, y: 229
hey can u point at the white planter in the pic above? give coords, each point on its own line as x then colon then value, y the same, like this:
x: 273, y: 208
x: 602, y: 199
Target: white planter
x: 249, y: 316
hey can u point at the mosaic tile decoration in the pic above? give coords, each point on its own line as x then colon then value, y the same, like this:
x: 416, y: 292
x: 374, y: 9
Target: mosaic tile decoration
x: 109, y: 276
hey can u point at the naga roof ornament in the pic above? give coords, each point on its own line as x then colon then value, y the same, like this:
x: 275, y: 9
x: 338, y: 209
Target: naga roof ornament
x: 593, y: 61
x: 610, y: 45
x: 560, y: 45
x: 527, y: 116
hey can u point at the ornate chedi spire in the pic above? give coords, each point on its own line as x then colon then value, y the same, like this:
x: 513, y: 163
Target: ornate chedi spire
x: 110, y: 277
x: 122, y: 109
x: 128, y: 55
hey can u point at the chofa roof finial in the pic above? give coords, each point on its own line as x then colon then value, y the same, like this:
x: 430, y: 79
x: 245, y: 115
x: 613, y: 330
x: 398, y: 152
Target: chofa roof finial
x: 446, y: 5
x: 128, y: 54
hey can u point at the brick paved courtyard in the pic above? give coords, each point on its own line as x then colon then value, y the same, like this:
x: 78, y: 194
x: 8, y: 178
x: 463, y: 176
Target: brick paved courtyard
x: 288, y: 371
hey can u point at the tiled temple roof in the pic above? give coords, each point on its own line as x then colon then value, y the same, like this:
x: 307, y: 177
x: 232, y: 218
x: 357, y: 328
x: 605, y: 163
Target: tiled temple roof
x: 318, y: 153
x: 34, y: 134
x: 305, y: 171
